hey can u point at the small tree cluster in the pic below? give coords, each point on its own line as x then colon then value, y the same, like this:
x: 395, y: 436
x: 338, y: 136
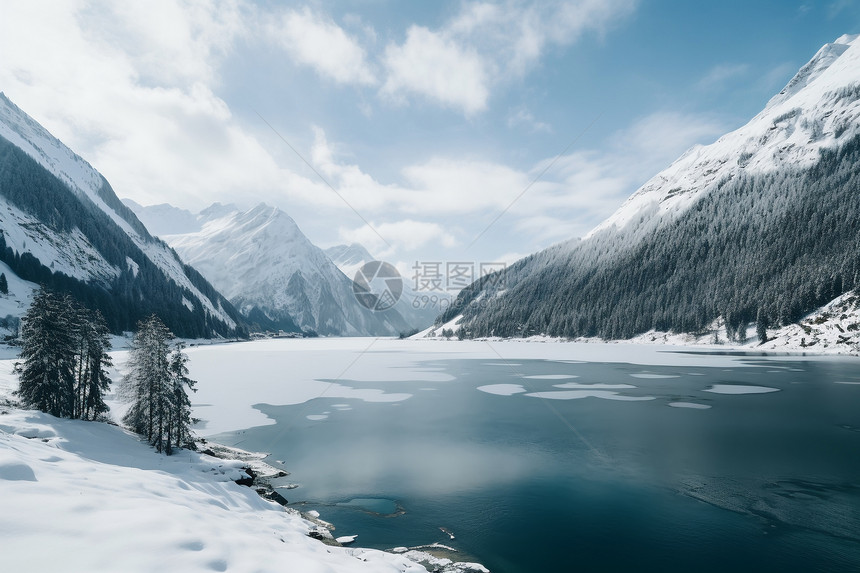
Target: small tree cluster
x: 64, y: 358
x: 156, y: 387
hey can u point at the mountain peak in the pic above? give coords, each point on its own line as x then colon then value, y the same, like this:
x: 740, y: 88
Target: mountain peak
x: 216, y: 211
x: 847, y: 39
x: 819, y: 109
x: 821, y: 62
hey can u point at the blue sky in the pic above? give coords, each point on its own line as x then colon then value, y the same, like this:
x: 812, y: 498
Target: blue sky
x: 428, y: 119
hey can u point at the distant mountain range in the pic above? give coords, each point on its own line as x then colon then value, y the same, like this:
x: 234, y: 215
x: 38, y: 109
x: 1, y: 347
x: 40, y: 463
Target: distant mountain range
x: 61, y: 225
x: 418, y: 307
x: 761, y: 226
x: 265, y: 265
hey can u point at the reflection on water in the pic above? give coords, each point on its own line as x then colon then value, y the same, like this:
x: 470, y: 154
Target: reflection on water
x: 671, y: 478
x: 377, y: 505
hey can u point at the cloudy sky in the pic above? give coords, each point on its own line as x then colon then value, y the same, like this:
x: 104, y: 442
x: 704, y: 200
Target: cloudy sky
x: 428, y: 131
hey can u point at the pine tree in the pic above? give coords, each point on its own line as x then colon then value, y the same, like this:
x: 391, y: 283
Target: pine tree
x: 179, y: 428
x: 155, y: 385
x: 4, y: 286
x: 94, y: 381
x: 147, y: 383
x: 761, y: 324
x: 47, y: 366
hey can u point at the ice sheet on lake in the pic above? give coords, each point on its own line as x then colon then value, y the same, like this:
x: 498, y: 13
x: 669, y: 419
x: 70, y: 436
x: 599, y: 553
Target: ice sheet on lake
x: 579, y: 386
x: 654, y: 376
x: 577, y: 394
x: 691, y: 405
x: 739, y: 389
x: 551, y: 376
x: 317, y: 417
x: 502, y: 389
x: 294, y: 371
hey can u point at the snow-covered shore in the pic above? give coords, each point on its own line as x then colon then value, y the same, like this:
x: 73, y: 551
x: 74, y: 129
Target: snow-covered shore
x: 833, y: 329
x: 89, y: 496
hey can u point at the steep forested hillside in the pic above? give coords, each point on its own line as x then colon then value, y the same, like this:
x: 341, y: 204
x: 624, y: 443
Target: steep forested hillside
x: 770, y: 247
x: 72, y: 234
x: 763, y: 225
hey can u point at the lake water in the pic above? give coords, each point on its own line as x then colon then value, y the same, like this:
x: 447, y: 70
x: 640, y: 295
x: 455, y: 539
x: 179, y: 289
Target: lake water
x: 611, y: 467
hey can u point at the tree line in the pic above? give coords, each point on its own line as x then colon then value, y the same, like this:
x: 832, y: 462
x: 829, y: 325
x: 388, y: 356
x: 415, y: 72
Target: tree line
x: 765, y: 248
x: 64, y: 365
x: 134, y: 293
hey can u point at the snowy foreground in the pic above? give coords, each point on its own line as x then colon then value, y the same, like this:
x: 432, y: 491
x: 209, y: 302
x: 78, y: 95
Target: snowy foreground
x: 86, y: 496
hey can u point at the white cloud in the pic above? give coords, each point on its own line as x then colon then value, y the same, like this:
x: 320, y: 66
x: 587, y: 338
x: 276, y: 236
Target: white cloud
x: 577, y: 192
x: 445, y: 185
x: 436, y: 67
x: 132, y: 91
x: 405, y: 235
x: 523, y: 117
x: 719, y: 75
x: 316, y: 41
x: 661, y: 137
x: 516, y: 34
x: 486, y: 44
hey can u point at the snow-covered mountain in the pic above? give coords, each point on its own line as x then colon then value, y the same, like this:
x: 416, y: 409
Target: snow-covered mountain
x: 762, y: 224
x: 62, y: 225
x: 349, y: 258
x: 265, y: 265
x: 817, y: 110
x: 419, y: 308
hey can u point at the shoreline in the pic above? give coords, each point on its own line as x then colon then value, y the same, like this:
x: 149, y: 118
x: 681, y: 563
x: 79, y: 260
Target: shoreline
x: 436, y: 557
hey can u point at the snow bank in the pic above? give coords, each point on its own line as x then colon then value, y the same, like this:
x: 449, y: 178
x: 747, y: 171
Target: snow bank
x: 92, y: 497
x: 87, y: 496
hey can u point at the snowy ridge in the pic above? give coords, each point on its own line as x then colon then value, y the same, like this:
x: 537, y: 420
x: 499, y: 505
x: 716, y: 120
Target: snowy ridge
x: 260, y: 258
x: 818, y: 109
x: 26, y: 133
x: 75, y: 256
x: 349, y: 258
x: 419, y: 308
x: 71, y: 255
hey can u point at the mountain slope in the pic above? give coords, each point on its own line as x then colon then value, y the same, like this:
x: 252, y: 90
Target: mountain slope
x: 265, y: 265
x: 63, y: 226
x: 760, y: 225
x: 418, y: 308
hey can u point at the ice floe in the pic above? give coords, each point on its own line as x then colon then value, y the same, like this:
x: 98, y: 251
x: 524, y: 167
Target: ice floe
x: 597, y: 386
x: 577, y: 394
x: 739, y: 389
x: 502, y: 389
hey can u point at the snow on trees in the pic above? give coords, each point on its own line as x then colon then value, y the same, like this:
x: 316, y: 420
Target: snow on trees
x: 63, y: 361
x: 156, y: 387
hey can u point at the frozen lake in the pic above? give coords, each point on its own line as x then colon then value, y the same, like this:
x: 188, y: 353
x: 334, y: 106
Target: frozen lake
x: 550, y: 457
